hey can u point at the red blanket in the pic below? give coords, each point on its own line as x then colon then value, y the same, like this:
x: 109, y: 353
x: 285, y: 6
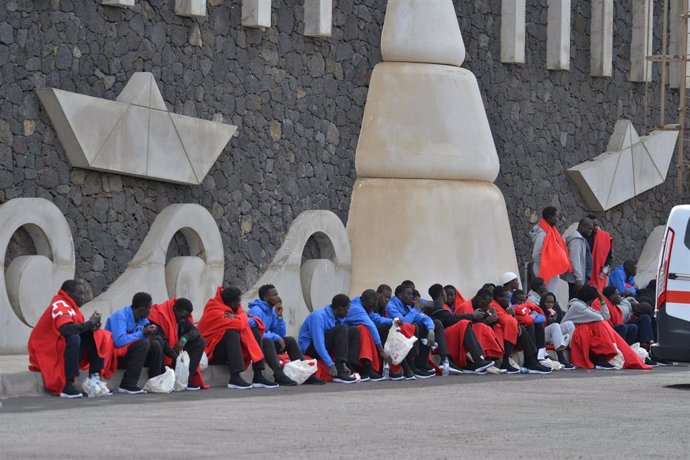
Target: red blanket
x: 603, y: 242
x: 367, y: 348
x: 164, y: 316
x: 616, y: 313
x: 486, y: 335
x: 523, y: 313
x: 554, y: 253
x: 507, y: 326
x: 598, y: 338
x: 47, y: 346
x: 214, y: 323
x: 455, y: 337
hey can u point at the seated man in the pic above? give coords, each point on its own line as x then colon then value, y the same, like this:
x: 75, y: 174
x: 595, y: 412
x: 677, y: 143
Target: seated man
x: 594, y: 341
x: 557, y: 332
x: 323, y: 334
x: 362, y: 312
x: 459, y: 334
x: 131, y: 332
x: 532, y: 317
x: 268, y: 308
x: 511, y: 282
x: 537, y: 288
x: 230, y: 339
x: 176, y: 332
x: 474, y: 309
x: 623, y: 278
x: 613, y: 315
x: 383, y: 296
x: 429, y: 332
x: 629, y: 312
x: 61, y: 340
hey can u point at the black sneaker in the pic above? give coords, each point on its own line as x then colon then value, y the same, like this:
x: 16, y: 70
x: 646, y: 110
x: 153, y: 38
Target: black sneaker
x: 344, y: 378
x: 422, y: 374
x: 605, y: 366
x: 454, y: 370
x: 510, y: 369
x: 538, y: 369
x: 130, y: 390
x: 482, y: 365
x: 568, y: 366
x: 70, y: 392
x: 314, y: 380
x: 285, y: 381
x: 408, y: 372
x: 650, y: 362
x: 374, y: 377
x: 260, y: 381
x: 193, y: 388
x: 238, y: 383
x: 426, y: 370
x: 396, y: 376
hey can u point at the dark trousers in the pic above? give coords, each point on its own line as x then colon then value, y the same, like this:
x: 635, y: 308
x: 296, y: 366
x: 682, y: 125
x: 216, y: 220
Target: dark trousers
x: 76, y: 346
x: 342, y: 343
x: 423, y: 351
x: 271, y: 351
x: 536, y: 332
x: 525, y: 343
x: 195, y: 349
x: 645, y: 329
x: 472, y: 345
x: 142, y: 352
x: 383, y: 329
x: 229, y: 351
x: 627, y: 331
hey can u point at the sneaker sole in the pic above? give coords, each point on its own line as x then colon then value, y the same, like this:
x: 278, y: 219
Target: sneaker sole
x: 192, y: 388
x: 365, y: 379
x: 238, y: 387
x: 395, y: 379
x: 602, y: 368
x: 263, y: 385
x: 516, y: 371
x: 410, y: 378
x: 535, y: 371
x: 454, y: 371
x: 128, y: 392
x: 337, y: 380
x: 568, y: 368
x: 483, y: 369
x: 424, y: 376
x: 66, y: 396
x: 380, y: 379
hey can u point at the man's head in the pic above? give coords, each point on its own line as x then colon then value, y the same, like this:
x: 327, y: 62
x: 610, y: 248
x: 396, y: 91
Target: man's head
x: 141, y: 305
x: 489, y: 286
x: 416, y: 295
x: 269, y: 294
x: 510, y: 281
x: 482, y: 299
x: 232, y: 297
x: 547, y: 301
x: 451, y: 292
x: 501, y: 296
x: 383, y: 293
x: 75, y: 290
x: 630, y: 267
x: 595, y: 221
x: 369, y: 299
x: 519, y: 297
x: 538, y: 285
x: 585, y: 227
x: 340, y: 305
x: 408, y: 283
x: 550, y: 215
x: 587, y: 294
x: 611, y: 293
x: 436, y: 292
x: 404, y: 293
x: 182, y: 309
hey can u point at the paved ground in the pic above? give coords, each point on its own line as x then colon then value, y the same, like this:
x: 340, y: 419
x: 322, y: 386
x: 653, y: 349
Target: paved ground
x: 579, y: 414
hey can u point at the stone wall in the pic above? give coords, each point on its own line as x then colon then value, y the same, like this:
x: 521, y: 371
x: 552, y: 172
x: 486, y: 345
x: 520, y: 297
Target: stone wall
x: 298, y: 104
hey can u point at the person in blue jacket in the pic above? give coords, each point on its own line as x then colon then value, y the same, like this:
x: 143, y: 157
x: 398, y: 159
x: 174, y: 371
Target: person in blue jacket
x: 428, y: 332
x: 623, y: 278
x: 131, y: 331
x: 324, y: 336
x: 362, y: 312
x: 269, y: 309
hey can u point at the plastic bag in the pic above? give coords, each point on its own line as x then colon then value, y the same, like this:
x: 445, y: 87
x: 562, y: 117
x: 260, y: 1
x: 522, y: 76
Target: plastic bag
x: 203, y: 364
x: 397, y: 345
x: 182, y: 371
x: 619, y: 360
x: 300, y: 371
x: 100, y: 390
x: 164, y: 383
x: 641, y: 352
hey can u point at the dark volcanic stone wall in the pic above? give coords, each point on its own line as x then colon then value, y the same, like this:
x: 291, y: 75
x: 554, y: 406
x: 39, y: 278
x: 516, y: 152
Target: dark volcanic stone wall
x: 298, y: 103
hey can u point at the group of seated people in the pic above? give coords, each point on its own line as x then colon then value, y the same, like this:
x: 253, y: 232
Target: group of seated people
x: 347, y: 337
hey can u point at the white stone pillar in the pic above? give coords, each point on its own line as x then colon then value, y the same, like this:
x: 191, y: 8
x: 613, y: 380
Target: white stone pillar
x: 513, y: 31
x: 256, y: 13
x: 318, y: 18
x: 190, y: 8
x: 641, y: 44
x: 601, y: 39
x: 558, y: 35
x: 677, y: 33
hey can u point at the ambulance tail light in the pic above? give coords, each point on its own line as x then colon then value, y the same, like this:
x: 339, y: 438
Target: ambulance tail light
x: 662, y: 278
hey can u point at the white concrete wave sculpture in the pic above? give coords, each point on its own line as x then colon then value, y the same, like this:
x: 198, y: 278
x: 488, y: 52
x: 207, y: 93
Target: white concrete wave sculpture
x: 648, y: 263
x: 135, y: 135
x: 31, y: 280
x: 630, y: 166
x: 424, y: 205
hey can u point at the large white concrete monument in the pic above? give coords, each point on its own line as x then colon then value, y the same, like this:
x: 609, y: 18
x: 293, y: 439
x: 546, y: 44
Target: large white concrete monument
x: 424, y: 205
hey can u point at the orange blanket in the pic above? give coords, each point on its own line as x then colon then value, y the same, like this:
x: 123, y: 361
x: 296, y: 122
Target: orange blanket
x: 554, y: 253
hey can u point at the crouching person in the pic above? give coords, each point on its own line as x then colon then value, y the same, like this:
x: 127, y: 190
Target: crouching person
x: 323, y: 333
x: 176, y: 333
x: 132, y: 333
x: 62, y: 340
x: 230, y: 339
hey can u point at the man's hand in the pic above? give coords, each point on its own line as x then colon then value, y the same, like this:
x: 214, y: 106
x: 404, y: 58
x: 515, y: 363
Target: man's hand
x: 511, y: 310
x: 179, y: 346
x: 478, y: 315
x: 280, y: 345
x: 383, y: 353
x: 279, y: 309
x: 397, y: 322
x: 347, y: 369
x: 431, y: 336
x: 332, y: 371
x: 150, y: 329
x: 491, y: 319
x: 230, y: 315
x: 95, y: 318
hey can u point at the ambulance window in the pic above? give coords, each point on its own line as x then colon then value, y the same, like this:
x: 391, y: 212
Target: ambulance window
x: 687, y: 235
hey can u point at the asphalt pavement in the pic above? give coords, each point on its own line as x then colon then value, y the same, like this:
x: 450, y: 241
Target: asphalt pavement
x: 575, y: 414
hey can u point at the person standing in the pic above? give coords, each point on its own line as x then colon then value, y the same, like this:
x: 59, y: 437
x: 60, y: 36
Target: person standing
x: 549, y: 251
x: 578, y: 252
x: 601, y: 244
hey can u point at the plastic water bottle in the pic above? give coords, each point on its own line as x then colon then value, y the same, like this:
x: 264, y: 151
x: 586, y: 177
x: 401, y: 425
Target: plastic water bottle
x: 386, y: 371
x: 523, y: 370
x: 92, y: 387
x: 446, y: 367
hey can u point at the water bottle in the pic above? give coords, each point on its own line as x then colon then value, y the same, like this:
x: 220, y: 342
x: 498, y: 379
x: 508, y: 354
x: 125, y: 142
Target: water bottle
x: 386, y: 371
x: 92, y: 387
x: 446, y: 367
x: 523, y: 370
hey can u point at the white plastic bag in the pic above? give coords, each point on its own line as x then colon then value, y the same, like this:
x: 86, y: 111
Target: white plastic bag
x: 300, y: 371
x: 641, y: 352
x: 101, y: 388
x: 164, y: 383
x: 203, y: 364
x: 182, y: 371
x: 397, y: 345
x: 617, y: 361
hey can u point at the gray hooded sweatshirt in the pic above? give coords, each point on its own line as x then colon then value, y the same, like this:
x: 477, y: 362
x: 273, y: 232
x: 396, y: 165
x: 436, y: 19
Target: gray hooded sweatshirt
x: 579, y: 313
x: 537, y: 234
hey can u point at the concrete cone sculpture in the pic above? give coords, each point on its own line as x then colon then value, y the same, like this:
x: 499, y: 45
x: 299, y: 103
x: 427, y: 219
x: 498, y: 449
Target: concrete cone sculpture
x: 424, y: 206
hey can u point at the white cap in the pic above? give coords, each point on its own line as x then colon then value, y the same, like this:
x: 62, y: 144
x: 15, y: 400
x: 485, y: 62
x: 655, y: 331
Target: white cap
x: 507, y: 277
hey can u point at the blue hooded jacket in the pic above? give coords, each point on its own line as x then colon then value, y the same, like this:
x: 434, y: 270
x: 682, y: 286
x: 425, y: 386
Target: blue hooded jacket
x: 124, y: 328
x: 407, y: 313
x: 275, y: 328
x: 622, y: 282
x: 314, y: 330
x: 358, y: 315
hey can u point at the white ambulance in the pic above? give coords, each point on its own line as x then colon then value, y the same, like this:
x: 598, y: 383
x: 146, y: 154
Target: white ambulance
x: 673, y: 289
